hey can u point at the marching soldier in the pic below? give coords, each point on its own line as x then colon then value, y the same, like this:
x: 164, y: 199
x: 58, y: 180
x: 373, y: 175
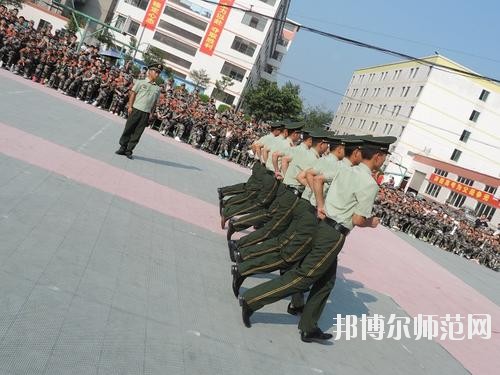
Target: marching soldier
x: 288, y: 192
x: 348, y: 203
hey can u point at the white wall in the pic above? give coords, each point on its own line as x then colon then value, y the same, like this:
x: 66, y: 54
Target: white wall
x: 37, y: 13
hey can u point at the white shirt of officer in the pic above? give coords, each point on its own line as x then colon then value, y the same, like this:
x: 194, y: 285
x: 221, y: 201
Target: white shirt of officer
x: 352, y: 192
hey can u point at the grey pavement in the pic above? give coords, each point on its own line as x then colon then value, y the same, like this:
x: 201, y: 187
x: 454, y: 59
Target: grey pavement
x: 93, y: 284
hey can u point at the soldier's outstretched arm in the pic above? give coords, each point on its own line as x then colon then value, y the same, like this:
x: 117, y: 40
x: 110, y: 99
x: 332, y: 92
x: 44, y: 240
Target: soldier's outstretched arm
x: 318, y: 182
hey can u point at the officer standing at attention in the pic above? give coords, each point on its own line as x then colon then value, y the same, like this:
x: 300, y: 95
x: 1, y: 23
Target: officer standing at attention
x: 142, y: 101
x: 349, y: 203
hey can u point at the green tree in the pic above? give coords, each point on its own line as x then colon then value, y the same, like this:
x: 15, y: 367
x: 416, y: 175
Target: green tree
x: 317, y: 117
x: 105, y: 37
x: 268, y: 102
x: 73, y: 26
x: 223, y: 83
x: 130, y: 51
x: 200, y: 77
x: 153, y: 55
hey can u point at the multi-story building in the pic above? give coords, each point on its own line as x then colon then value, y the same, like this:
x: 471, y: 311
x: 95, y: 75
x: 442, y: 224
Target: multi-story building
x: 249, y: 47
x: 446, y: 124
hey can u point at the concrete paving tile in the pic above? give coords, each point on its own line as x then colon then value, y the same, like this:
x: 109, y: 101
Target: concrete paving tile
x: 28, y: 344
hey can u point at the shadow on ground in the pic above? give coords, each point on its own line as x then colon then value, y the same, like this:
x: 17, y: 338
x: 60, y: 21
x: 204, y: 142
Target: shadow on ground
x: 166, y: 163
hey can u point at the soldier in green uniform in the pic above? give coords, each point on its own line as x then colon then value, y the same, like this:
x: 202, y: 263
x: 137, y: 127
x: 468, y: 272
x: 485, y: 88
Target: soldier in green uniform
x: 270, y: 184
x: 257, y: 218
x: 142, y: 101
x: 288, y: 192
x: 348, y: 203
x: 292, y: 246
x: 248, y: 191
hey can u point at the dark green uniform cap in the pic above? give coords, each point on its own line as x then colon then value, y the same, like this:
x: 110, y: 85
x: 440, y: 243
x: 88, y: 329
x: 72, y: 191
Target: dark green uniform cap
x: 156, y: 66
x: 294, y: 126
x: 277, y: 125
x: 379, y: 143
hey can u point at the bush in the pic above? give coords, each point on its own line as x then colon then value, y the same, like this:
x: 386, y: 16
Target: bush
x: 204, y: 98
x: 223, y: 108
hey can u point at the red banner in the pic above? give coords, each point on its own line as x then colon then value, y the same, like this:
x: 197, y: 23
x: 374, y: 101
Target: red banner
x: 468, y: 191
x: 153, y: 14
x: 216, y: 26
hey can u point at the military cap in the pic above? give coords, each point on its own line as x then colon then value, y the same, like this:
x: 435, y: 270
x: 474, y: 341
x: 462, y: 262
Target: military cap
x: 353, y: 140
x: 335, y: 140
x: 277, y: 125
x: 156, y: 66
x: 379, y: 143
x: 319, y: 134
x: 293, y: 125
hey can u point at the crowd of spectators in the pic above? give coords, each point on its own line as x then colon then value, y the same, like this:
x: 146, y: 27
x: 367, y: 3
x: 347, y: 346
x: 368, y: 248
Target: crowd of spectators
x: 440, y: 226
x: 51, y: 59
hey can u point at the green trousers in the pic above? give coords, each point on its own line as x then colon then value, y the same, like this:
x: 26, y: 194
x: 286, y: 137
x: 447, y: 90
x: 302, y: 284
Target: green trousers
x: 134, y: 127
x: 241, y: 191
x: 261, y: 216
x: 317, y: 270
x: 286, y: 202
x: 266, y: 191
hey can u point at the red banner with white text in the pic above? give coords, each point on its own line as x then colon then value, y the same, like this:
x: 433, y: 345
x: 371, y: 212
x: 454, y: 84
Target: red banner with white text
x: 153, y: 14
x: 216, y: 26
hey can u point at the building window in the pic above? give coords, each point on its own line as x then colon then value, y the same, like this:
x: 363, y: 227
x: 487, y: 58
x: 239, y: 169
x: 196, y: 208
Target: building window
x: 223, y: 96
x: 283, y: 42
x: 174, y: 43
x: 270, y: 2
x: 290, y: 26
x: 484, y: 209
x: 179, y: 31
x: 255, y: 21
x: 484, y: 95
x: 406, y: 90
x: 142, y: 4
x: 465, y: 181
x: 186, y: 18
x: 243, y: 46
x: 175, y: 59
x: 402, y: 130
x: 455, y: 199
x: 419, y: 91
x: 474, y: 116
x: 204, y: 12
x: 411, y: 110
x: 432, y: 189
x: 465, y: 136
x: 440, y: 172
x: 277, y: 56
x: 233, y: 71
x: 456, y: 155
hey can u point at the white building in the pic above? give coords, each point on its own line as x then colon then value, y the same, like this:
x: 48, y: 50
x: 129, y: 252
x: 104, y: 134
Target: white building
x: 445, y: 123
x: 250, y: 47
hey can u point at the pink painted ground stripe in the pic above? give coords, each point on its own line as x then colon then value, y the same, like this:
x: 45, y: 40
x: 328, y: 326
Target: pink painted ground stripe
x: 118, y: 120
x: 37, y: 151
x: 386, y: 263
x: 416, y: 283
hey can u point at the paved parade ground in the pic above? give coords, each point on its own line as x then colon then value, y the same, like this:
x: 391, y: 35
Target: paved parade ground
x: 117, y: 266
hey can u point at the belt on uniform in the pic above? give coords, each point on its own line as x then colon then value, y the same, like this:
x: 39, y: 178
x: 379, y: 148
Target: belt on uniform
x: 339, y: 227
x: 295, y: 191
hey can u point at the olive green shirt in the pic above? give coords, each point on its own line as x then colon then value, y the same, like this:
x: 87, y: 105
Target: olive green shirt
x: 302, y: 158
x: 352, y: 192
x: 264, y: 140
x: 146, y: 95
x: 278, y: 144
x: 324, y: 165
